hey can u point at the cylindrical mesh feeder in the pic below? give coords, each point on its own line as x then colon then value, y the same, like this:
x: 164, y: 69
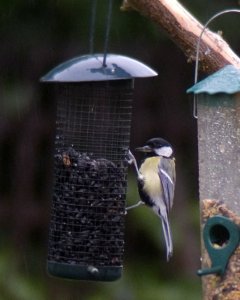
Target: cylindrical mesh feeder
x: 93, y: 116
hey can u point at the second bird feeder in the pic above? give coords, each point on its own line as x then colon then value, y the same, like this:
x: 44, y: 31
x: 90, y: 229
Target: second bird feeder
x: 93, y: 118
x: 218, y: 107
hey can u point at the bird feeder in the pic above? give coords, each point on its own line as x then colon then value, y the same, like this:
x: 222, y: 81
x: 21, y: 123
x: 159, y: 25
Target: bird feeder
x: 93, y: 118
x: 218, y: 110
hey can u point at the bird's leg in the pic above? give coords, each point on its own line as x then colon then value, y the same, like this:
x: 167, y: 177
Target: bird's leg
x: 135, y: 205
x: 132, y: 160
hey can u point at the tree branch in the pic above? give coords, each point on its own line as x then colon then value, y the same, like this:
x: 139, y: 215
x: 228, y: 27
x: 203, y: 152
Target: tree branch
x: 184, y: 30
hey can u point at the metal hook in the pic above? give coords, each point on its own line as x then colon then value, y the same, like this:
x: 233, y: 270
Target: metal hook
x: 197, y: 52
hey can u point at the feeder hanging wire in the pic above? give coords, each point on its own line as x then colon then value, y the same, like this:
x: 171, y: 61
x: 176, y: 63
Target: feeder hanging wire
x: 108, y: 25
x: 92, y: 26
x: 197, y: 52
x: 107, y: 30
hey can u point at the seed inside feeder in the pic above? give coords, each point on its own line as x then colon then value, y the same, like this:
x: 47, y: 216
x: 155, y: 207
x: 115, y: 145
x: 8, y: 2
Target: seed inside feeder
x: 88, y: 210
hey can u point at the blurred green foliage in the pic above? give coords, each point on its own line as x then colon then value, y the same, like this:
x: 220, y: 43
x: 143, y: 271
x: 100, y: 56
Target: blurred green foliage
x: 14, y: 284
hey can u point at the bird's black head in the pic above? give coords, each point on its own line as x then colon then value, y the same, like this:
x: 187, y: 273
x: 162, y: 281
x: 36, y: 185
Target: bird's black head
x: 157, y: 147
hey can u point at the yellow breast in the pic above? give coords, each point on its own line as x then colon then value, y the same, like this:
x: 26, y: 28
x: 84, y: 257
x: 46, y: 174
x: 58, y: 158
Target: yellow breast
x: 149, y: 170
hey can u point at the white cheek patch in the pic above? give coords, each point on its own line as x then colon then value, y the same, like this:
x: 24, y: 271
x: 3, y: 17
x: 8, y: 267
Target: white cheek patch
x: 164, y: 151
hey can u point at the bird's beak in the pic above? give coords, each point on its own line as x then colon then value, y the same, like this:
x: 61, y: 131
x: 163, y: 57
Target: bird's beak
x: 144, y: 149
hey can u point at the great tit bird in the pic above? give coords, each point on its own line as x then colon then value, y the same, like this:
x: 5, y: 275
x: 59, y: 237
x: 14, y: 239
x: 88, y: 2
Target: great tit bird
x: 156, y: 182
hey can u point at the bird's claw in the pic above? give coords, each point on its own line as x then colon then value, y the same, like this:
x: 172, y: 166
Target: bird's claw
x: 134, y: 205
x: 130, y: 158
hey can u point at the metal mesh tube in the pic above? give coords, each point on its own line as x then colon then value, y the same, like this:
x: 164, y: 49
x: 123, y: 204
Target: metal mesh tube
x: 86, y: 238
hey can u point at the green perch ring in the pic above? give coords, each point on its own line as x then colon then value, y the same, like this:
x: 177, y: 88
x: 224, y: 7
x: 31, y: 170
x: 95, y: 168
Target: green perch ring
x: 221, y: 238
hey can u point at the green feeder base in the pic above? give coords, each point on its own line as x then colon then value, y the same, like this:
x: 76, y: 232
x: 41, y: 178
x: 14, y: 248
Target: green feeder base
x: 80, y: 272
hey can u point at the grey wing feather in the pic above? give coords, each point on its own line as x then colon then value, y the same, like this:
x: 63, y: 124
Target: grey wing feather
x: 166, y: 171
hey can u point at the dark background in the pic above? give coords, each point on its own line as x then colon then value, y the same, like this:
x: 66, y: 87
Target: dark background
x: 35, y: 36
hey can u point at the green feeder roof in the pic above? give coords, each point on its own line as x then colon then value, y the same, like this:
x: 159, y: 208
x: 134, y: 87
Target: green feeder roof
x: 226, y: 80
x: 90, y: 68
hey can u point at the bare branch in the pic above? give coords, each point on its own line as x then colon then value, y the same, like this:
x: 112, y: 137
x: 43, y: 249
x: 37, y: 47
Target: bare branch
x: 185, y: 30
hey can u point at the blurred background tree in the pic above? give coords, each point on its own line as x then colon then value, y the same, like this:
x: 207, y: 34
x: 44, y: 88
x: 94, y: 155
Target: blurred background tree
x: 35, y: 36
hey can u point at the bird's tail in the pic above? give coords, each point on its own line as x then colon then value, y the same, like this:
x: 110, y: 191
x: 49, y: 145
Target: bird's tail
x: 167, y: 235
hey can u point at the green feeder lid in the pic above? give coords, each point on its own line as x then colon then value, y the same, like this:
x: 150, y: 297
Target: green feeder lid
x: 226, y: 80
x: 90, y: 68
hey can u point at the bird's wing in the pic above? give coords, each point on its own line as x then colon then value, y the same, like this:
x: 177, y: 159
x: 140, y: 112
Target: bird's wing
x: 166, y: 171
